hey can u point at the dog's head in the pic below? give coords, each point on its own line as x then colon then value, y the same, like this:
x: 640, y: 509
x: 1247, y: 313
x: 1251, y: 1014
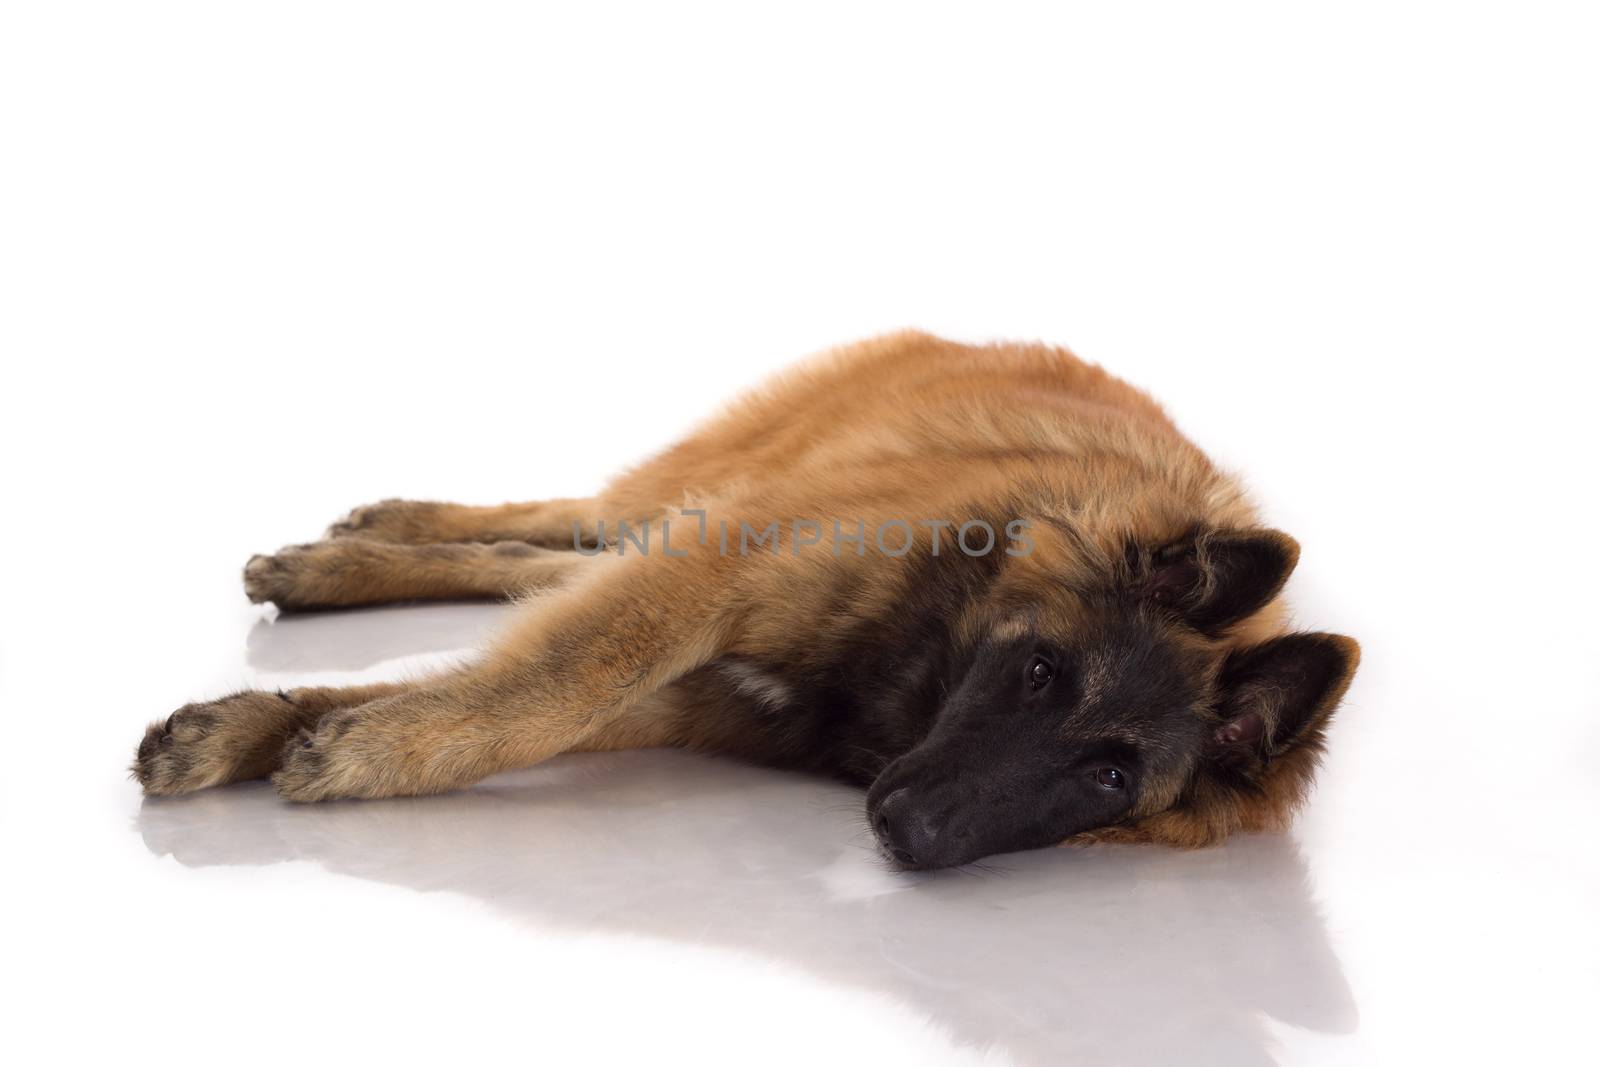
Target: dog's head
x: 1138, y: 707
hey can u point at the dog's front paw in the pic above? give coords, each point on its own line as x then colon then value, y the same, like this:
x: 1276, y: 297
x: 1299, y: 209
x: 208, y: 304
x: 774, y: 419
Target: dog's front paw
x: 301, y: 771
x: 173, y: 758
x: 321, y: 764
x: 201, y: 745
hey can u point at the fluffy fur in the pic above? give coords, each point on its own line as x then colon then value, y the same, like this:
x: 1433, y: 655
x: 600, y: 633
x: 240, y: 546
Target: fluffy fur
x: 839, y: 661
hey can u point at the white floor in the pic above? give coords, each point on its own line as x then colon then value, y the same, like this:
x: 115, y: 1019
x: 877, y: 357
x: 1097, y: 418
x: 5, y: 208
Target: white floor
x: 260, y: 265
x: 1439, y: 894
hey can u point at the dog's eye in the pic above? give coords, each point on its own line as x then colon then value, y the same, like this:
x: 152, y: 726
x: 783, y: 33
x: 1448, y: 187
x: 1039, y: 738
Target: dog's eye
x: 1110, y: 778
x: 1039, y: 672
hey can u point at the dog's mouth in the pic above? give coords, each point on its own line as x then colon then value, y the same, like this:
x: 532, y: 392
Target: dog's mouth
x: 899, y: 859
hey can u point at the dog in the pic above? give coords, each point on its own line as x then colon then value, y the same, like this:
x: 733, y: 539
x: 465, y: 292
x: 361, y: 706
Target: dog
x: 994, y: 585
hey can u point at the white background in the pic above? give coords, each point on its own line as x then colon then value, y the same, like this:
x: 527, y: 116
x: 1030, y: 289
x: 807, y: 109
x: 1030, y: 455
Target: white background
x: 260, y: 263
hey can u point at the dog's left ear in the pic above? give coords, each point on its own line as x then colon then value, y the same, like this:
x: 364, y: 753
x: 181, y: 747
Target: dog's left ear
x: 1279, y: 695
x: 1219, y: 577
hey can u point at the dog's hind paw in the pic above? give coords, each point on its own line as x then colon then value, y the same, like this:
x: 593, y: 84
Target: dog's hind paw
x: 393, y: 521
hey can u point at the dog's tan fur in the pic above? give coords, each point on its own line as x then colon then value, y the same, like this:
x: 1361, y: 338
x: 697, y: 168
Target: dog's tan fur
x: 617, y: 650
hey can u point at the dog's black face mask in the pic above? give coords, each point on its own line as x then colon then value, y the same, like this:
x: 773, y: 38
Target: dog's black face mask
x: 1042, y: 740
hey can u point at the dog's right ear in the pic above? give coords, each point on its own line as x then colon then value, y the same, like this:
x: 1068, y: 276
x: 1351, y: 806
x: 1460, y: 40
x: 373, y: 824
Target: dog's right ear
x: 1279, y: 696
x: 1217, y: 578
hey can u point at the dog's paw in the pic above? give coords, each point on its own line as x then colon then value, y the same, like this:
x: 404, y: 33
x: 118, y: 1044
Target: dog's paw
x: 315, y: 765
x: 268, y: 577
x: 300, y: 772
x: 202, y: 745
x: 394, y: 521
x: 298, y: 576
x: 173, y: 757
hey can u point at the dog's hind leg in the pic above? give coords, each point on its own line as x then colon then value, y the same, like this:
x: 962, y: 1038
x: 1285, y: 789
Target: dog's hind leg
x: 578, y: 665
x: 562, y: 523
x: 236, y: 738
x: 352, y: 571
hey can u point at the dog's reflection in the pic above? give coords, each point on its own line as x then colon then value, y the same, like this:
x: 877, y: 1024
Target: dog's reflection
x: 1127, y: 954
x: 355, y: 640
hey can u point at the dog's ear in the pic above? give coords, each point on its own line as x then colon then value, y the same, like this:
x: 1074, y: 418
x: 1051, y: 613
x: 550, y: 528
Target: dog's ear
x: 1279, y: 695
x: 1217, y: 578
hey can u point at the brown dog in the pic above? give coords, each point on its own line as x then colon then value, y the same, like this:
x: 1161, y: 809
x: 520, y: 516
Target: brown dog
x: 995, y: 584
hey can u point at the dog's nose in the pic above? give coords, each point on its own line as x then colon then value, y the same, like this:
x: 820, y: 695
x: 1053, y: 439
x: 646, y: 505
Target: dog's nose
x: 905, y: 832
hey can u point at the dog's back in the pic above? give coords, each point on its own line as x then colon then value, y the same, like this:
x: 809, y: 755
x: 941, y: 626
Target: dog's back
x: 934, y: 416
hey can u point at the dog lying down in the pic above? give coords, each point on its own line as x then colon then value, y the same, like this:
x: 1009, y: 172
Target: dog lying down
x: 992, y: 584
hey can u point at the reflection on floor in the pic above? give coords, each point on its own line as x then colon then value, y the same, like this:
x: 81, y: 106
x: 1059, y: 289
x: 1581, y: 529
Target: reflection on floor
x: 357, y: 640
x: 1044, y: 955
x: 1164, y: 957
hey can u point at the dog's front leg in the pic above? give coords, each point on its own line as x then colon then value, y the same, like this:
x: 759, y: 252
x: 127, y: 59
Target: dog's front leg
x: 577, y: 662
